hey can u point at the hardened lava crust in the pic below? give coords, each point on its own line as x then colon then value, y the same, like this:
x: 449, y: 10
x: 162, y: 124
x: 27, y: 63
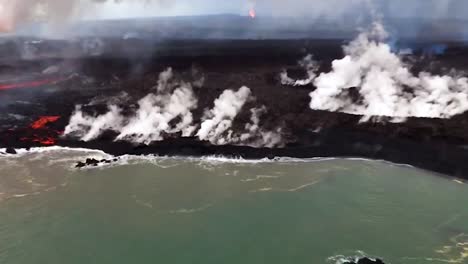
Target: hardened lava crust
x: 41, y: 84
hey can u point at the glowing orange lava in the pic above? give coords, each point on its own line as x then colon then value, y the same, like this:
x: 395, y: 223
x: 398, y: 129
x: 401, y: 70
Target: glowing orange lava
x: 44, y: 120
x: 252, y: 13
x: 28, y: 84
x: 47, y: 141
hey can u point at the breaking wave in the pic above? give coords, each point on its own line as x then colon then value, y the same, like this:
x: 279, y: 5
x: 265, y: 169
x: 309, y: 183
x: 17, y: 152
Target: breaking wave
x: 342, y: 259
x: 57, y: 154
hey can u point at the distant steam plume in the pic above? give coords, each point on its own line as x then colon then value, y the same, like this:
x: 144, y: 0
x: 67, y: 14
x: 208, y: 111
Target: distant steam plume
x: 309, y: 65
x: 384, y: 84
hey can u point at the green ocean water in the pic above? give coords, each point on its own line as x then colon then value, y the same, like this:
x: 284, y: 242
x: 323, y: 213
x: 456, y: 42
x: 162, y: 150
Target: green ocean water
x: 161, y: 210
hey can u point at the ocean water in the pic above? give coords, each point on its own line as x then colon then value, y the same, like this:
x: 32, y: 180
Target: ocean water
x: 213, y: 210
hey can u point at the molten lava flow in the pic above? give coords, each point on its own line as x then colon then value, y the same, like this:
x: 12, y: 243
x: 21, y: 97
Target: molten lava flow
x: 44, y: 120
x: 28, y: 84
x: 252, y: 13
x: 47, y: 141
x: 39, y: 133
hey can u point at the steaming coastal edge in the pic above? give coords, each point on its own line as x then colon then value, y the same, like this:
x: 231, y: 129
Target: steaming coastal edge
x: 110, y: 153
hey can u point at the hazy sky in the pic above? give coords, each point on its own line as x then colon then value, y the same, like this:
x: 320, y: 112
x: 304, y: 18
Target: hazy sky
x: 313, y: 8
x: 135, y: 8
x: 96, y: 9
x: 15, y: 13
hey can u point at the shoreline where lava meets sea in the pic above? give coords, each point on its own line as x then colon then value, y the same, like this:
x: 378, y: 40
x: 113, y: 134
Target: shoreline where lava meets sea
x: 41, y: 93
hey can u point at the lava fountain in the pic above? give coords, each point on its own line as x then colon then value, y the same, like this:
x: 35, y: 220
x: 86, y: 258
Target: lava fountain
x: 252, y: 13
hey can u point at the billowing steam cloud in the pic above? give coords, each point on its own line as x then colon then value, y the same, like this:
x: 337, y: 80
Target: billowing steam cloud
x: 89, y: 127
x: 309, y: 65
x: 218, y: 120
x: 385, y: 85
x: 168, y: 111
x: 155, y: 114
x: 259, y: 136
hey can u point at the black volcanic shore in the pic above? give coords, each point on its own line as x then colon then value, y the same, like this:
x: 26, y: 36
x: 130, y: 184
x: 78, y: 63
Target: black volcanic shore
x: 434, y: 156
x: 439, y: 145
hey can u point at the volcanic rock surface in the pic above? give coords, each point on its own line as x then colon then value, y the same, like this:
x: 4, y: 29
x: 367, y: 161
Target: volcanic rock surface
x: 38, y: 95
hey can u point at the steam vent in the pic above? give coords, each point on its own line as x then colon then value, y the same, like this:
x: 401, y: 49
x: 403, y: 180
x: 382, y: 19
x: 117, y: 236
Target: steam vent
x: 195, y: 93
x: 241, y: 131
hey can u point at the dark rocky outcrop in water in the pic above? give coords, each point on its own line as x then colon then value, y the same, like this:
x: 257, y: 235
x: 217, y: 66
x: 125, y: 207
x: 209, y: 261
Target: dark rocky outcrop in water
x: 439, y: 145
x: 366, y: 261
x: 10, y: 151
x: 90, y: 162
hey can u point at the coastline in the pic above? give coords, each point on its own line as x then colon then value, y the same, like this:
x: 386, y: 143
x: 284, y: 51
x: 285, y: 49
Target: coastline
x: 114, y: 152
x: 437, y: 145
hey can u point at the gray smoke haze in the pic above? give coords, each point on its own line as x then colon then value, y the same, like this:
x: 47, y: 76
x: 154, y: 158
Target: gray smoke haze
x: 17, y: 12
x: 337, y: 8
x: 345, y: 12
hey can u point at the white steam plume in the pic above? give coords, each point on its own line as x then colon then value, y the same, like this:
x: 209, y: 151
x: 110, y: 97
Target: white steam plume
x: 218, y: 121
x: 385, y: 84
x: 309, y: 65
x: 168, y: 111
x: 155, y: 112
x: 217, y: 128
x: 259, y: 137
x: 154, y: 117
x: 88, y: 127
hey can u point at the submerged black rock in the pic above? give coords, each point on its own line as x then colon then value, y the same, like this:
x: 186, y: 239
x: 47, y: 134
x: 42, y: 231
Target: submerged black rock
x: 91, y: 162
x: 80, y: 165
x: 10, y: 150
x: 366, y: 261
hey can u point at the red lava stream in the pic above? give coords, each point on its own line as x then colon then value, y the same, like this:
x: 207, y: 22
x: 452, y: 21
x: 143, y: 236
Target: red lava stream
x: 29, y: 84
